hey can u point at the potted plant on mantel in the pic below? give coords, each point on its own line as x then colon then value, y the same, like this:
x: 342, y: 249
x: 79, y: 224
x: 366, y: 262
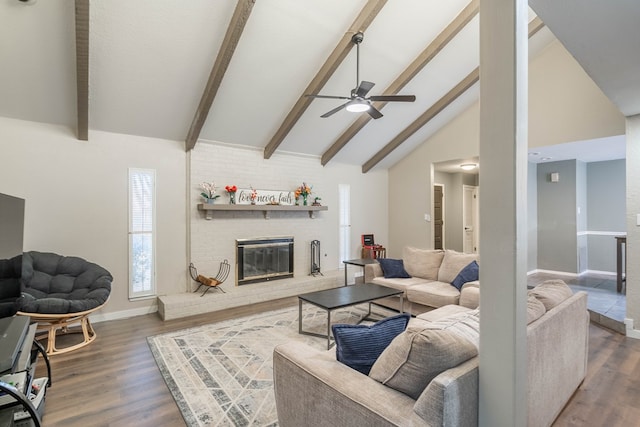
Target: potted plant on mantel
x: 209, y: 193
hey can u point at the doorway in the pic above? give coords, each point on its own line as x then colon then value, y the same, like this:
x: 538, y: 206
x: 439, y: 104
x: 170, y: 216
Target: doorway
x: 471, y: 229
x: 438, y: 216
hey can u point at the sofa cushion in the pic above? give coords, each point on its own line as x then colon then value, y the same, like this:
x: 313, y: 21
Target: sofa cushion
x: 551, y: 293
x: 358, y: 346
x: 452, y: 263
x: 424, y: 320
x: 465, y: 324
x: 415, y: 357
x: 433, y: 294
x: 401, y: 284
x: 393, y: 268
x: 442, y: 312
x: 535, y: 309
x: 469, y: 273
x: 423, y: 263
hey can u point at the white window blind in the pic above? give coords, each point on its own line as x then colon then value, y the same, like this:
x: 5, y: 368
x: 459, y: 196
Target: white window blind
x: 142, y: 194
x: 344, y: 212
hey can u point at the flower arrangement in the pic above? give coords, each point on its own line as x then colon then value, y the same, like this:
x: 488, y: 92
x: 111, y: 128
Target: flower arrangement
x: 231, y: 190
x: 209, y: 191
x: 304, y: 190
x: 254, y: 195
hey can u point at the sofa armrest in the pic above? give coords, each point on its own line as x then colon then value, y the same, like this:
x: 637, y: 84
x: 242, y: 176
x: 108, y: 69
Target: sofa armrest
x: 451, y: 398
x: 558, y: 347
x: 371, y: 271
x: 470, y: 294
x: 312, y: 388
x: 474, y: 284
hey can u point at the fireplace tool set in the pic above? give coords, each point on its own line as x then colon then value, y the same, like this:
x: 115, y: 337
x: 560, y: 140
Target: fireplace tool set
x: 315, y: 258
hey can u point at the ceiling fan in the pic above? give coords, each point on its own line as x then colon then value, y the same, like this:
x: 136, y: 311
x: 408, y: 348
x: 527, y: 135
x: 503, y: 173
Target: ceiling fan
x: 358, y: 101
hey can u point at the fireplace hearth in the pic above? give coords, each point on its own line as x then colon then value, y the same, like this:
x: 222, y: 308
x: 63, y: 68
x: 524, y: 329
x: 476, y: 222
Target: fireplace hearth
x: 263, y: 259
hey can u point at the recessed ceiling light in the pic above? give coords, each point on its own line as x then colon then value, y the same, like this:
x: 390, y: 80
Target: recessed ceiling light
x: 468, y: 166
x: 546, y: 158
x: 534, y: 153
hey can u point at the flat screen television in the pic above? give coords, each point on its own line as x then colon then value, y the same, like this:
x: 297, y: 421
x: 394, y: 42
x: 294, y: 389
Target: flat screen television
x: 11, y: 226
x: 11, y: 240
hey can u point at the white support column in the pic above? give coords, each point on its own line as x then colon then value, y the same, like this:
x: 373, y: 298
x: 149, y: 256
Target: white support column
x: 503, y: 212
x: 632, y: 319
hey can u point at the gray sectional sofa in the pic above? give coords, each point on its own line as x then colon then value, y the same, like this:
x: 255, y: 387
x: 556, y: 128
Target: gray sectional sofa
x: 313, y: 388
x: 429, y: 286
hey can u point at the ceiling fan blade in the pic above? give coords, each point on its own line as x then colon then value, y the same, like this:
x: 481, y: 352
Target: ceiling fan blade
x: 328, y: 96
x: 335, y: 110
x: 363, y: 88
x: 373, y: 112
x: 394, y: 98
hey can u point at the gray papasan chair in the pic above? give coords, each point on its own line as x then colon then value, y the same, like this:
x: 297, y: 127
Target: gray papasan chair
x: 61, y: 291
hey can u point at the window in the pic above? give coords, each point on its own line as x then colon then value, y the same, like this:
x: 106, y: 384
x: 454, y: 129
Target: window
x: 344, y: 212
x: 142, y: 219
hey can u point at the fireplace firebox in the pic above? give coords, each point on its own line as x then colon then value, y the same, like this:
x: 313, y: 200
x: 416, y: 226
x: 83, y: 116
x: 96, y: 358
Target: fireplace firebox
x: 263, y: 259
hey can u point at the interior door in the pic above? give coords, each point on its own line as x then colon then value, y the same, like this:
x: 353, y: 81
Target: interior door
x: 438, y: 216
x: 470, y: 219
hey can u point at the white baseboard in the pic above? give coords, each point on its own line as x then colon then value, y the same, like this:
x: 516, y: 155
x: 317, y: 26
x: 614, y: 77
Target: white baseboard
x: 601, y: 272
x: 630, y: 332
x: 124, y: 314
x: 557, y: 273
x: 564, y: 273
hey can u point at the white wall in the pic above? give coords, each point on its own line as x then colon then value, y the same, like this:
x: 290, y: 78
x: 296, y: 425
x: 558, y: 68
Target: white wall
x: 564, y: 106
x: 77, y: 199
x: 214, y: 240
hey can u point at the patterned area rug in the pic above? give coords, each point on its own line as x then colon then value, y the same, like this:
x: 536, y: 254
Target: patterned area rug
x: 221, y: 374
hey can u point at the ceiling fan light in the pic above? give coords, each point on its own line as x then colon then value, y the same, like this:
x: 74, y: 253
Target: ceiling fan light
x: 357, y: 107
x: 468, y: 166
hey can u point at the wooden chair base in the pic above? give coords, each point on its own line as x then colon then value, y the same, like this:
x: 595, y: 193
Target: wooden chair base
x: 52, y: 325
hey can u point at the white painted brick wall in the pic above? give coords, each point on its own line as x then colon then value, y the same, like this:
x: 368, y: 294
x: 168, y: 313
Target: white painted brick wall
x: 213, y: 240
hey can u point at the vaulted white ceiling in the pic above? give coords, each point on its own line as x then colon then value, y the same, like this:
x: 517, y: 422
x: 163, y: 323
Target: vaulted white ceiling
x: 604, y: 37
x: 149, y: 62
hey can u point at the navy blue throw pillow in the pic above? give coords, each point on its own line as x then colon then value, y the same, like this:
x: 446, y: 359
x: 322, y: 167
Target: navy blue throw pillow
x: 359, y: 346
x: 468, y: 274
x: 393, y: 268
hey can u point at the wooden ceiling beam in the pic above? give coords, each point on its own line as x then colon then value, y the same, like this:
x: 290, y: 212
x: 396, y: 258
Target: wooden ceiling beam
x: 458, y: 23
x: 534, y: 26
x: 82, y: 67
x: 228, y: 47
x: 361, y: 23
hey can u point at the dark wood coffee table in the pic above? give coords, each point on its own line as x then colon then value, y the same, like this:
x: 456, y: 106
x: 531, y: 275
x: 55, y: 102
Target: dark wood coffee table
x: 346, y: 296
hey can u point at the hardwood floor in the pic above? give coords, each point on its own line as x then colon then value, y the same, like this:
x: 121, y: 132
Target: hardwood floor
x: 609, y: 394
x: 115, y: 381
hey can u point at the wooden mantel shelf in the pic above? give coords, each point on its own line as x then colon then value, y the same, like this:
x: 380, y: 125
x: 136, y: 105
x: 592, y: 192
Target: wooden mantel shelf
x: 266, y: 209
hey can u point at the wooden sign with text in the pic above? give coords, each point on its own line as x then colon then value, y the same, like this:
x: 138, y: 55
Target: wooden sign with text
x: 265, y: 197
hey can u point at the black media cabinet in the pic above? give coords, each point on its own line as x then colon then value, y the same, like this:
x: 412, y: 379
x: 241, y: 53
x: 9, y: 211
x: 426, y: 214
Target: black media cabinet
x: 21, y: 395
